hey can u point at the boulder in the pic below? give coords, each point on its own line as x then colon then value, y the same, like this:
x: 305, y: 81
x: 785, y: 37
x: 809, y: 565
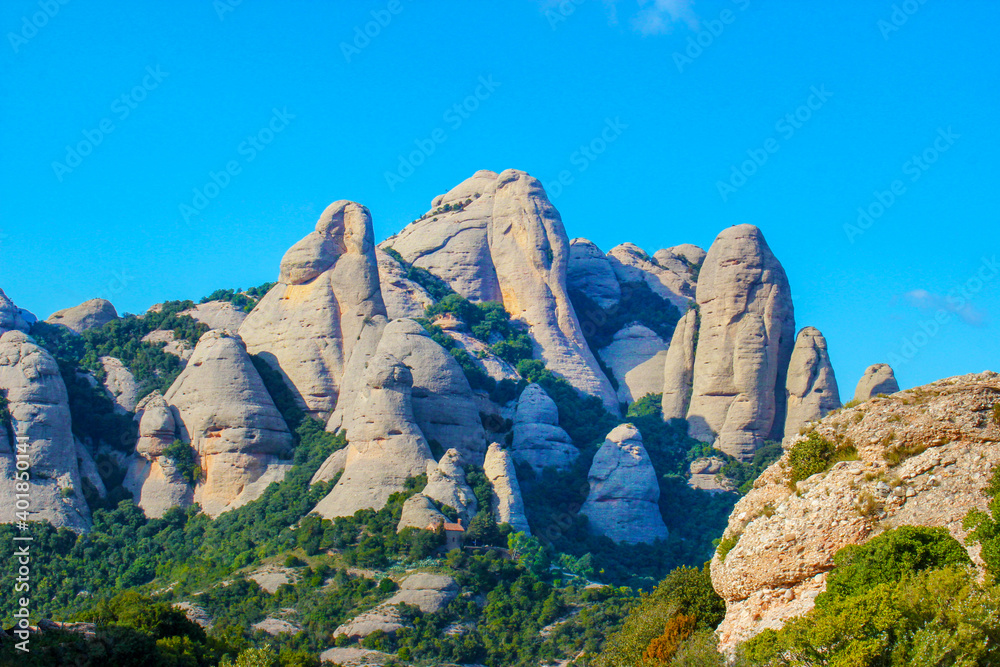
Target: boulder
x: 692, y: 254
x: 120, y: 384
x: 678, y: 367
x: 704, y: 475
x: 636, y: 357
x: 333, y: 466
x: 328, y: 289
x: 446, y: 484
x: 745, y: 338
x: 217, y: 315
x: 671, y: 277
x: 453, y: 245
x: 443, y: 405
x: 539, y: 441
x: 508, y: 505
x: 11, y: 318
x: 39, y: 427
x: 386, y: 445
x: 811, y: 385
x: 403, y: 297
x: 589, y: 272
x: 224, y: 411
x: 91, y: 314
x: 878, y: 379
x: 419, y: 511
x: 624, y: 492
x: 152, y: 478
x: 429, y: 592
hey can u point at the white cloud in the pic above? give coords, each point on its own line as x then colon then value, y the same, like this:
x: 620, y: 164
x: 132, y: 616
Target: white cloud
x: 657, y: 17
x: 924, y: 300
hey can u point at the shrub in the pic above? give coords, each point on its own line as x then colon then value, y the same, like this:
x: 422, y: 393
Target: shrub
x: 815, y: 454
x: 181, y: 454
x: 996, y: 414
x: 663, y: 648
x: 726, y: 545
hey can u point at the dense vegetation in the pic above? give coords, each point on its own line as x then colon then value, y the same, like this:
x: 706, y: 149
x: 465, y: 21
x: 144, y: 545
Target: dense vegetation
x: 244, y: 300
x: 638, y: 304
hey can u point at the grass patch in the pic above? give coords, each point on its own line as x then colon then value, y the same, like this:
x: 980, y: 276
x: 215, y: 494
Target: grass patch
x: 726, y: 545
x: 816, y: 454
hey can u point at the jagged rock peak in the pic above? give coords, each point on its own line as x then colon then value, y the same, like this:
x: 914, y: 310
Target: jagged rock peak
x: 811, y: 384
x: 508, y: 505
x: 745, y: 340
x: 878, y: 379
x: 624, y: 492
x: 386, y: 445
x: 226, y: 414
x: 91, y: 314
x: 590, y: 273
x: 11, y: 318
x: 670, y: 277
x: 39, y: 410
x: 306, y: 326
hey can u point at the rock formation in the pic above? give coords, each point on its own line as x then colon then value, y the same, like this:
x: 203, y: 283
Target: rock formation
x: 812, y: 387
x: 508, y: 505
x: 419, y: 511
x: 691, y: 254
x: 333, y: 466
x: 636, y: 356
x: 745, y: 340
x: 429, y: 592
x: 402, y: 296
x: 386, y: 445
x: 672, y: 277
x: 678, y: 367
x: 223, y: 410
x: 353, y: 381
x: 152, y: 478
x: 705, y: 475
x: 217, y: 315
x: 91, y: 314
x: 878, y: 379
x: 590, y: 273
x: 508, y: 244
x: 453, y: 244
x: 446, y: 484
x: 120, y: 384
x: 443, y: 405
x: 941, y: 436
x: 539, y: 441
x: 307, y: 325
x: 39, y: 427
x: 624, y: 492
x: 11, y: 318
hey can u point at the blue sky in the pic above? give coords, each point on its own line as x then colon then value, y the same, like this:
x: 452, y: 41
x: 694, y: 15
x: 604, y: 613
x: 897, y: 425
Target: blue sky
x: 115, y: 117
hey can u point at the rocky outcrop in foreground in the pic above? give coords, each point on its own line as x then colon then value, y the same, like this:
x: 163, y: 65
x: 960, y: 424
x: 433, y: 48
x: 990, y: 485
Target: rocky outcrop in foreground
x: 40, y: 423
x: 307, y: 325
x: 878, y: 379
x: 924, y: 458
x: 622, y: 503
x: 88, y: 315
x: 745, y: 339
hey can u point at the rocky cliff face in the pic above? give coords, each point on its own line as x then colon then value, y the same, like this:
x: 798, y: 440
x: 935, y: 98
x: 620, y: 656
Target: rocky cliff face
x: 403, y: 297
x: 152, y: 478
x: 502, y: 240
x: 446, y: 484
x: 622, y: 503
x: 811, y: 384
x: 636, y: 357
x: 669, y: 275
x: 924, y: 457
x: 386, y: 444
x: 11, y: 317
x: 745, y: 339
x: 508, y: 506
x: 678, y: 367
x: 590, y: 273
x: 223, y: 410
x: 307, y: 325
x: 878, y: 379
x: 120, y: 384
x: 88, y: 315
x: 39, y: 426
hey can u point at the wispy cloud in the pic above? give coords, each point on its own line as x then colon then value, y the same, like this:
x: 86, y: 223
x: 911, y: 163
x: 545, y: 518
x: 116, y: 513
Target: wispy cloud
x: 924, y: 300
x: 658, y: 17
